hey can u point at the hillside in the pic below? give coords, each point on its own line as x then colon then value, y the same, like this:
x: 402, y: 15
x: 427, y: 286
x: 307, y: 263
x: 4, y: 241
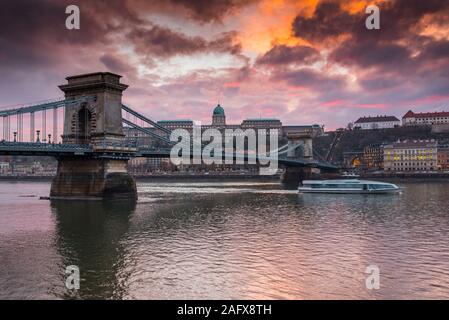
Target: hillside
x: 357, y: 140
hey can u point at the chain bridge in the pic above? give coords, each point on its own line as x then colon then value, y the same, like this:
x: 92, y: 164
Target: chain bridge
x: 85, y: 133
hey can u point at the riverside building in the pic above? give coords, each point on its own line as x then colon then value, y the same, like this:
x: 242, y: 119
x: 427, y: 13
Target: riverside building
x: 411, y: 156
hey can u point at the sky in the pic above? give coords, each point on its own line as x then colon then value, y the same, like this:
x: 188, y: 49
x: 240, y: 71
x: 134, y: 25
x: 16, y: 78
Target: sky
x: 302, y: 62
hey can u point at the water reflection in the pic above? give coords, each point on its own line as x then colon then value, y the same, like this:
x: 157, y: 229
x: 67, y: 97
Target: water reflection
x: 89, y: 235
x: 226, y: 240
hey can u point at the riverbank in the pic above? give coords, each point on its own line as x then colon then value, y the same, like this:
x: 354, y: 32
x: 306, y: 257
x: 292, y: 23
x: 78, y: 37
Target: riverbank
x: 403, y: 176
x: 255, y: 177
x: 207, y: 177
x: 26, y: 178
x: 163, y: 177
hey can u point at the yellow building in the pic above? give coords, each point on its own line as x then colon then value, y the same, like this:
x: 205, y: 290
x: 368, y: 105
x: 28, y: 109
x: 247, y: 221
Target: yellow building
x: 411, y: 155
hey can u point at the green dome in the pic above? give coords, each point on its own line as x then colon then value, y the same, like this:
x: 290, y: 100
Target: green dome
x: 219, y: 111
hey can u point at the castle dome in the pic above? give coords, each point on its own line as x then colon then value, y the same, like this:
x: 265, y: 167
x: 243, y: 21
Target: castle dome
x: 219, y: 111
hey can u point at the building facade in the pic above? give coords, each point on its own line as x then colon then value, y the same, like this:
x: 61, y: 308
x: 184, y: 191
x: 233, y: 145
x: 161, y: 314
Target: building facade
x: 443, y: 157
x: 373, y: 157
x: 378, y: 122
x: 425, y: 118
x: 411, y: 156
x: 176, y: 124
x: 353, y: 159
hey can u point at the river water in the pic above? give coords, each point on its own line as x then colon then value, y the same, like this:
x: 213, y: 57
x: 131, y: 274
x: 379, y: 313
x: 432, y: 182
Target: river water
x: 225, y: 240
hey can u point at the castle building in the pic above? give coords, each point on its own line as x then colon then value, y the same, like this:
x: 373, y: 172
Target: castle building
x: 219, y: 122
x: 218, y: 116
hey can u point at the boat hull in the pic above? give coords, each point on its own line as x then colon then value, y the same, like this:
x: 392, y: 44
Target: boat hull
x: 330, y: 191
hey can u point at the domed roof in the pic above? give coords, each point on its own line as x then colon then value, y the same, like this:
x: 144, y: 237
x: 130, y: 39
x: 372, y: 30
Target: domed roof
x: 219, y: 111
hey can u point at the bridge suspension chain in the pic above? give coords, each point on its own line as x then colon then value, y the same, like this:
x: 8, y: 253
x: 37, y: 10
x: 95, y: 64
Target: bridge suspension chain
x: 25, y: 118
x: 32, y: 127
x: 144, y: 127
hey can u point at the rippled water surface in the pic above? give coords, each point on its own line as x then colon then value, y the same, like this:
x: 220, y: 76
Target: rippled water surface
x: 247, y: 240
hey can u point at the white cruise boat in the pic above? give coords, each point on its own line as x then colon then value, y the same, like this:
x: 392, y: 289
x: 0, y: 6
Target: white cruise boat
x: 347, y: 186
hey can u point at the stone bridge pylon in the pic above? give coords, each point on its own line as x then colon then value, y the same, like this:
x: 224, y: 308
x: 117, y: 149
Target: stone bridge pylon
x: 303, y: 139
x: 96, y: 122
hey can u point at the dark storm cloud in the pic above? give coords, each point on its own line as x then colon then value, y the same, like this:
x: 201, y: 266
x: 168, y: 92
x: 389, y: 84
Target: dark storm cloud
x: 328, y: 20
x: 398, y: 17
x: 211, y: 10
x: 117, y: 64
x: 436, y: 50
x: 33, y: 33
x: 282, y: 54
x: 396, y: 56
x: 39, y: 22
x: 313, y: 79
x: 163, y: 42
x: 379, y: 82
x: 368, y: 54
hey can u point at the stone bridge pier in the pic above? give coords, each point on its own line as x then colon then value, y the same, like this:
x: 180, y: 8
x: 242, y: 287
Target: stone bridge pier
x: 98, y: 123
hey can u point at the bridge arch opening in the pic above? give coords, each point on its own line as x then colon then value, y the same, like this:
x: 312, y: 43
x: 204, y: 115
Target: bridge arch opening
x: 84, y: 125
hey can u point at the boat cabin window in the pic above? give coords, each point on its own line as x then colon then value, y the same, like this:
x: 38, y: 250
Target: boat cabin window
x: 379, y: 186
x: 336, y: 186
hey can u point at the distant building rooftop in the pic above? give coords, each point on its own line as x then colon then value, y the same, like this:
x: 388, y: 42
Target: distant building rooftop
x: 411, y: 114
x: 414, y: 143
x: 377, y: 119
x: 261, y: 120
x: 176, y: 121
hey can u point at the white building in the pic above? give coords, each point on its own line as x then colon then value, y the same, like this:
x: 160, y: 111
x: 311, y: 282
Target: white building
x: 425, y: 118
x: 378, y: 122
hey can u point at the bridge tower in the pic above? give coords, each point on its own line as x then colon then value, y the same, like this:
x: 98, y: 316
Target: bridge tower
x: 304, y: 140
x: 96, y: 122
x: 294, y: 175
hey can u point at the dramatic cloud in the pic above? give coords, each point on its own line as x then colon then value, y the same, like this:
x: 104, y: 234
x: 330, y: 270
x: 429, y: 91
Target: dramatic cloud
x: 328, y: 20
x: 163, y: 42
x: 282, y: 54
x: 312, y: 79
x: 209, y: 10
x: 305, y: 61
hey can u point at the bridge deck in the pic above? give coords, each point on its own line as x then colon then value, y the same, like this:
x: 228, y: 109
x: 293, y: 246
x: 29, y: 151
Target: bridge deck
x: 126, y: 151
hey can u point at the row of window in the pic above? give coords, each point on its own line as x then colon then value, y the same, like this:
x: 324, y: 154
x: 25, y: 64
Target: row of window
x: 422, y: 158
x: 413, y: 151
x: 350, y: 186
x: 411, y: 169
x: 420, y: 164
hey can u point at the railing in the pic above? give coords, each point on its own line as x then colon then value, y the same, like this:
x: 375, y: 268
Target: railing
x: 37, y: 146
x: 44, y: 106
